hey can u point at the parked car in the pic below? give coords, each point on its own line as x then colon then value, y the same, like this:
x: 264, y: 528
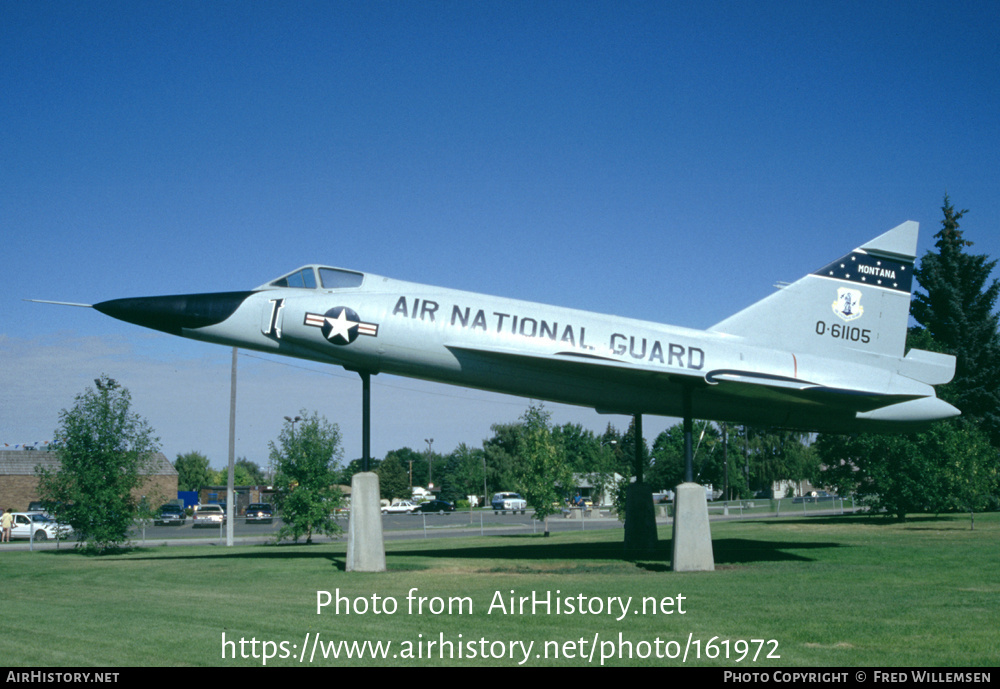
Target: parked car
x: 815, y: 496
x: 38, y: 526
x: 170, y: 514
x: 208, y: 515
x: 503, y: 502
x: 259, y: 513
x: 439, y: 506
x: 400, y: 507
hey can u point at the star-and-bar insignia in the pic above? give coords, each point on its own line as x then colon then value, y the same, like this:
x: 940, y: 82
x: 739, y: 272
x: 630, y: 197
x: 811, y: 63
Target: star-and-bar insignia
x: 341, y: 325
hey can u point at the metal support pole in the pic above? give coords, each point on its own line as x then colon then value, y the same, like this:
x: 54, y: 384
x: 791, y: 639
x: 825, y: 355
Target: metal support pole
x: 692, y: 535
x: 365, y: 543
x: 688, y: 449
x: 366, y: 420
x: 638, y: 447
x: 230, y: 488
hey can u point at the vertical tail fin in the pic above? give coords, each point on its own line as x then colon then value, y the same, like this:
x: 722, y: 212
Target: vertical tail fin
x: 858, y: 303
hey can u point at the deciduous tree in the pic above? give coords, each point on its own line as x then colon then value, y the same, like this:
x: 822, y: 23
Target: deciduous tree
x: 780, y: 455
x: 305, y: 457
x: 951, y: 466
x: 193, y: 471
x: 393, y: 479
x: 502, y: 456
x: 544, y: 475
x: 890, y: 473
x: 104, y: 450
x: 411, y: 461
x: 969, y: 465
x: 668, y: 459
x: 589, y: 458
x: 251, y: 472
x: 463, y: 473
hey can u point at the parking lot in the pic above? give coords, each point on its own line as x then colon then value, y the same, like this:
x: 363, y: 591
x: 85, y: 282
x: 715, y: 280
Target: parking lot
x: 454, y: 524
x: 396, y: 526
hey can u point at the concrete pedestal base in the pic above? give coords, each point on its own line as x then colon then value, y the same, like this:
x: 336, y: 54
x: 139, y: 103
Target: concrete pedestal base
x: 365, y: 547
x: 692, y: 535
x: 640, y: 522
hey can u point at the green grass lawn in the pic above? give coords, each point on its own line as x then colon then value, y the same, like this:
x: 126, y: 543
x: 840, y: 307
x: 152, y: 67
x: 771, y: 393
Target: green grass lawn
x: 829, y: 591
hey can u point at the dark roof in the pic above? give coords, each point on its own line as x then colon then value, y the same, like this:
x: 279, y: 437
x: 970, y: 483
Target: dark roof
x: 23, y: 463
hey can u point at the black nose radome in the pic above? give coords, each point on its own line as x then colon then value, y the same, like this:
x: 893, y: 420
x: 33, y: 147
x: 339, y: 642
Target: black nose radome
x: 173, y: 313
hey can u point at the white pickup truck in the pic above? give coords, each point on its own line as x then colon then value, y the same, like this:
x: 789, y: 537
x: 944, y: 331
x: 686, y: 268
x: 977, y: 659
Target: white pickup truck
x: 508, y: 502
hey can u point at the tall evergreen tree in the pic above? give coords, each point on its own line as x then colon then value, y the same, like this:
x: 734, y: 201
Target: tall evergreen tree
x: 947, y: 465
x: 957, y: 310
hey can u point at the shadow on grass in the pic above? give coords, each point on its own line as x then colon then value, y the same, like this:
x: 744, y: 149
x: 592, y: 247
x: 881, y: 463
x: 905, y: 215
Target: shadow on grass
x: 858, y: 519
x: 510, y: 553
x: 159, y: 553
x: 727, y: 551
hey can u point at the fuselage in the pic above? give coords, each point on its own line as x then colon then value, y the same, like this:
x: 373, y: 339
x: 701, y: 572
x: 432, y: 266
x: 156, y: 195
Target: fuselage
x: 379, y: 325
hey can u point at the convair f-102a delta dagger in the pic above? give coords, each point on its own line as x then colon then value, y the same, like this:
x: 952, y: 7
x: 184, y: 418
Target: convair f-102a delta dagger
x: 825, y: 353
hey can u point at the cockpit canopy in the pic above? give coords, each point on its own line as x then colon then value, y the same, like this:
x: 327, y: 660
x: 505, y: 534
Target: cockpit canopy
x: 318, y: 277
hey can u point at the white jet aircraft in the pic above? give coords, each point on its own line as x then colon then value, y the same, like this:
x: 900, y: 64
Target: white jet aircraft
x: 825, y: 353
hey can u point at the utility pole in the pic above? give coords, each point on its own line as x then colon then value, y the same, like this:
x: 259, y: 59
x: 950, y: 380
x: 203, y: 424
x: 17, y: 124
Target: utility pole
x: 725, y: 458
x: 430, y: 459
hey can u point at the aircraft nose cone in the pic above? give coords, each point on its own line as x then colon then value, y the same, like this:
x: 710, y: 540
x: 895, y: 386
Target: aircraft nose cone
x: 174, y: 313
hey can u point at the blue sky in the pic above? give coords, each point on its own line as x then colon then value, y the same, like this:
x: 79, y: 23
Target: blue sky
x: 663, y: 161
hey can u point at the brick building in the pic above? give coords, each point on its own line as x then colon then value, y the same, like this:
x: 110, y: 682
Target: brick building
x: 19, y: 484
